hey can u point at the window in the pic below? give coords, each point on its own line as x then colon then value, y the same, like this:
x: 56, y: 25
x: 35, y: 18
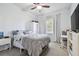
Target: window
x: 49, y: 25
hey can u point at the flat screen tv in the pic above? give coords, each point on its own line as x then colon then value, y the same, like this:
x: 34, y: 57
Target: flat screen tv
x: 75, y: 20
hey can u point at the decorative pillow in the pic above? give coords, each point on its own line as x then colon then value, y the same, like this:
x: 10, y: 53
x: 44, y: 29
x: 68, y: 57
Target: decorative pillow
x: 15, y: 32
x: 1, y: 34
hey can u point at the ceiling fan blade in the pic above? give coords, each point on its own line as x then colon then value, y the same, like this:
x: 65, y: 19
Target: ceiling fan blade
x: 36, y: 3
x: 45, y: 6
x: 33, y: 8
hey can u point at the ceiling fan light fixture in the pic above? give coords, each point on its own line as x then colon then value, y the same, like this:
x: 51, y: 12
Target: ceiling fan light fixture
x: 39, y: 7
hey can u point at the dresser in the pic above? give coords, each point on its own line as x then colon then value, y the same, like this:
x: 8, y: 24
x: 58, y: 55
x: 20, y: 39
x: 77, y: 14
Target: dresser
x: 73, y: 43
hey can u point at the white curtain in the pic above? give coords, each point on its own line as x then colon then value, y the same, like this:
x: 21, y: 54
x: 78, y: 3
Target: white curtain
x: 35, y: 27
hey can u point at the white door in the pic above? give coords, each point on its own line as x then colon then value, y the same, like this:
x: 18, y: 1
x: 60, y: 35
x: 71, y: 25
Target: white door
x: 35, y: 27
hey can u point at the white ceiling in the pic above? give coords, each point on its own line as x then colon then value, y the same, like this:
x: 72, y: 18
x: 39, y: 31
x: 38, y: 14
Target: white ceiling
x: 26, y: 7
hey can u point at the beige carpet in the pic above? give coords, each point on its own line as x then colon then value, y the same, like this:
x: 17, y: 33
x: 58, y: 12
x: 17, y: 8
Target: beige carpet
x: 54, y: 50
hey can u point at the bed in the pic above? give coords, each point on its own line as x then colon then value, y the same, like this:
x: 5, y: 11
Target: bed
x: 33, y: 43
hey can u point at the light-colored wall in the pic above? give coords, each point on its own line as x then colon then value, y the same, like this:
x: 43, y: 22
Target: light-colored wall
x: 62, y: 20
x: 12, y: 18
x: 65, y: 19
x: 72, y: 8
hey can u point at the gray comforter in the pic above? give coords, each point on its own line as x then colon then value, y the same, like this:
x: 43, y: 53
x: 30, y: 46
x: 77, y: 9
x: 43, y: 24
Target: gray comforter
x: 35, y: 44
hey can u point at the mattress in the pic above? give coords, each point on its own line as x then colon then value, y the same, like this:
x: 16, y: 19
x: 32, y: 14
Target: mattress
x: 34, y: 43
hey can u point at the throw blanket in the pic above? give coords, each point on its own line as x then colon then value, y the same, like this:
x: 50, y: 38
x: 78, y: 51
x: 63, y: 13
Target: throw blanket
x: 34, y: 44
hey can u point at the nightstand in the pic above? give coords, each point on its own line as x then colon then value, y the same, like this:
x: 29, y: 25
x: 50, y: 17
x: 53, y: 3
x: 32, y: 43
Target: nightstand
x: 5, y: 41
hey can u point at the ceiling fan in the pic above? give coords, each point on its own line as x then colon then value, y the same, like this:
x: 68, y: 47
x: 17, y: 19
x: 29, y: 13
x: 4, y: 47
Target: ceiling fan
x: 39, y: 6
